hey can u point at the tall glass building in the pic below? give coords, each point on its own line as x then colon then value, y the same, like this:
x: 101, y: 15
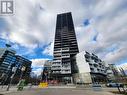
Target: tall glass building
x: 8, y: 60
x: 65, y: 47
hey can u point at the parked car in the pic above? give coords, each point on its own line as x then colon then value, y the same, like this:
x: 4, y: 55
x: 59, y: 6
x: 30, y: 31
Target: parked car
x: 114, y: 84
x: 96, y: 87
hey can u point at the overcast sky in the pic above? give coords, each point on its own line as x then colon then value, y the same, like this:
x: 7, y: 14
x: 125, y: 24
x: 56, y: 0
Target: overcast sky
x: 100, y: 26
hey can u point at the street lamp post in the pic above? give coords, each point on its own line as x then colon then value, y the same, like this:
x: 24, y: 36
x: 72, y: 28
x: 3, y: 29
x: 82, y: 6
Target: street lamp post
x: 14, y: 69
x: 6, y: 76
x: 46, y: 76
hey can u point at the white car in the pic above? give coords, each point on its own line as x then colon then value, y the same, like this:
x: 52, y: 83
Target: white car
x: 114, y: 84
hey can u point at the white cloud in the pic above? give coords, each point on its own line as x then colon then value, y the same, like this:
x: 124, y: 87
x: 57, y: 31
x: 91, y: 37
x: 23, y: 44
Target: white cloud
x: 49, y: 49
x: 37, y: 65
x: 38, y: 71
x: 38, y: 62
x: 29, y: 25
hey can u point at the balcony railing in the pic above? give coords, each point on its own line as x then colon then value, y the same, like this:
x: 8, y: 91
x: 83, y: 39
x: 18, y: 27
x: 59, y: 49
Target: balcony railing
x: 65, y: 49
x: 55, y: 68
x: 56, y: 60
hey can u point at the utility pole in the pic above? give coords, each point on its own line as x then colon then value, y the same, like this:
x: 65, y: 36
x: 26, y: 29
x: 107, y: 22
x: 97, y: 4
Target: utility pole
x: 6, y: 76
x: 14, y: 69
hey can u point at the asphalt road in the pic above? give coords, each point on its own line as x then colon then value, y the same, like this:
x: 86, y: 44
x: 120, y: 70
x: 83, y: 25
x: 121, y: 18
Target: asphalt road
x: 59, y: 91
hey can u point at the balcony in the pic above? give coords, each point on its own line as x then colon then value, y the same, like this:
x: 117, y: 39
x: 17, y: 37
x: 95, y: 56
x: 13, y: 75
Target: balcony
x: 91, y: 69
x: 57, y: 51
x: 87, y: 60
x: 65, y: 49
x: 57, y: 54
x: 100, y: 63
x: 91, y: 66
x: 56, y: 72
x: 95, y: 64
x: 65, y: 55
x: 55, y: 68
x: 87, y: 55
x: 56, y: 61
x: 65, y: 72
x: 66, y: 68
x: 90, y: 63
x: 56, y: 64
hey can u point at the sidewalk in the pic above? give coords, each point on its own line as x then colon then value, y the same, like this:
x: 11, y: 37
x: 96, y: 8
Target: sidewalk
x: 3, y: 90
x: 13, y: 89
x: 61, y: 87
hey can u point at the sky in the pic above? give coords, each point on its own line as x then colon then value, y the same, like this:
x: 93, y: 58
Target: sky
x: 100, y: 27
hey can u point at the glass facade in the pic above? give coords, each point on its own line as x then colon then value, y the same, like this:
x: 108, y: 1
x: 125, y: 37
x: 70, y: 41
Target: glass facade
x: 65, y: 47
x: 8, y: 60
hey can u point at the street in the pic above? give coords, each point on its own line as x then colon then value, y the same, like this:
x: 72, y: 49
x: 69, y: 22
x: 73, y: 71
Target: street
x: 59, y: 91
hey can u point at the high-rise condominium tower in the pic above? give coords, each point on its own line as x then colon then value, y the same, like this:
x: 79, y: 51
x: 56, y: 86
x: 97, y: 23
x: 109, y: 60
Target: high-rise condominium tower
x: 65, y: 48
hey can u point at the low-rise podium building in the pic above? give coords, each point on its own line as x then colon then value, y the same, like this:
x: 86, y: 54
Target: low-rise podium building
x: 91, y: 69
